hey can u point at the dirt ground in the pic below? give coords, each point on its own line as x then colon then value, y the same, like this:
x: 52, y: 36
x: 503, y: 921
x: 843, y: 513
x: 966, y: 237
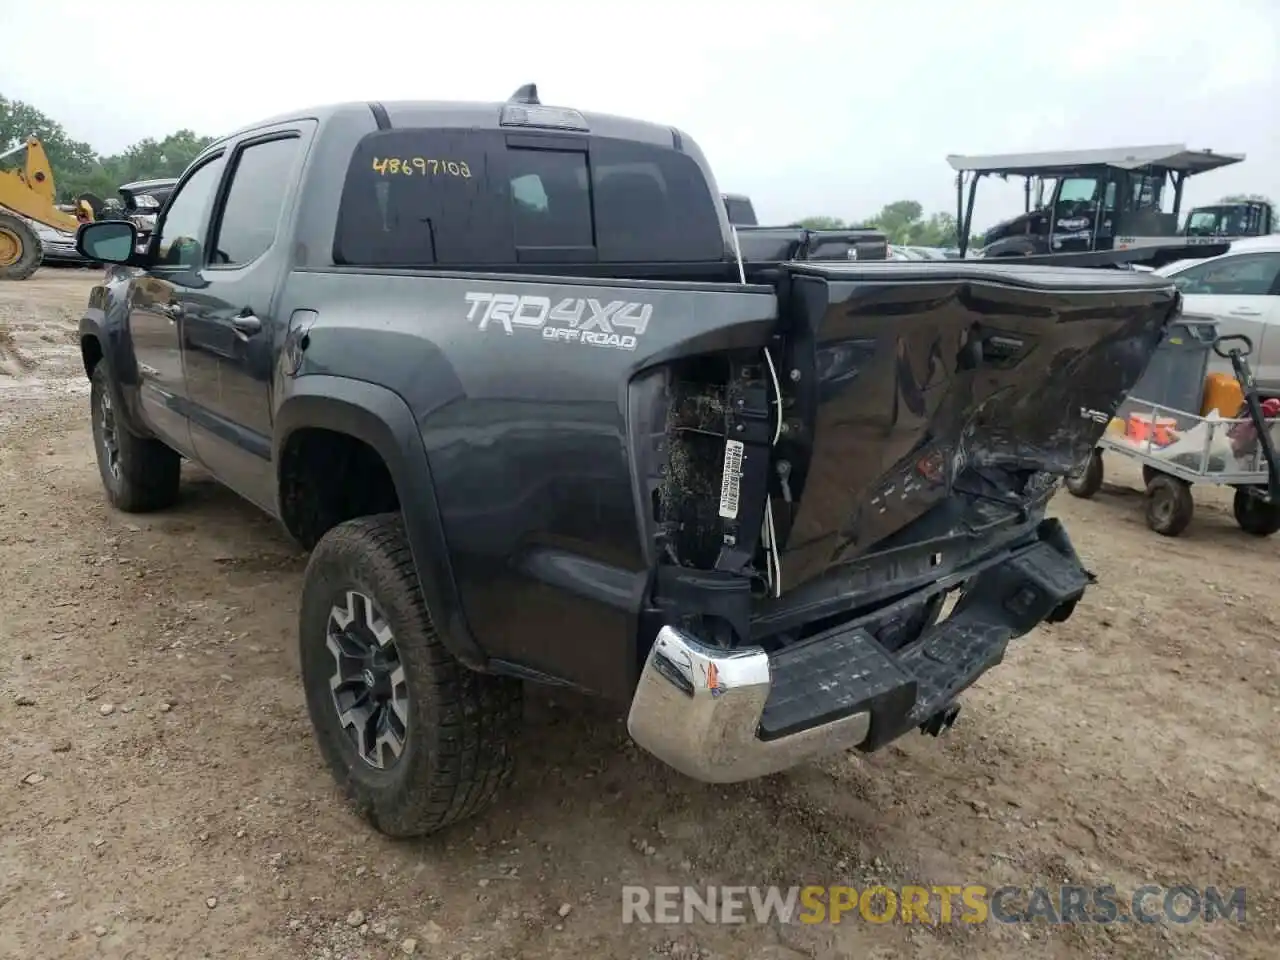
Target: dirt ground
x: 161, y: 796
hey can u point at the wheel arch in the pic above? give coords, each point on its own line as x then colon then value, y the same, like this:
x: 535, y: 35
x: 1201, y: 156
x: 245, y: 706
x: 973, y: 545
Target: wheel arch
x: 380, y: 419
x: 99, y: 348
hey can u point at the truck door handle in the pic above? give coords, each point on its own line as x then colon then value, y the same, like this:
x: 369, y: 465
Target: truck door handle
x: 1245, y: 312
x: 246, y: 324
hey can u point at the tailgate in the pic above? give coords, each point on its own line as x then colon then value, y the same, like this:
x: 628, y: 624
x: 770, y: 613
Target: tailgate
x: 915, y: 380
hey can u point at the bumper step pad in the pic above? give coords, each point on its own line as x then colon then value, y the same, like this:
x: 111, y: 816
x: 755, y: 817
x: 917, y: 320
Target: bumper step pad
x: 834, y: 674
x: 846, y: 671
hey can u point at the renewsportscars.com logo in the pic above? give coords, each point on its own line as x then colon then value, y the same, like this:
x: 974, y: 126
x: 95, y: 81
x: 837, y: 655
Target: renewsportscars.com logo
x: 615, y: 324
x: 938, y: 904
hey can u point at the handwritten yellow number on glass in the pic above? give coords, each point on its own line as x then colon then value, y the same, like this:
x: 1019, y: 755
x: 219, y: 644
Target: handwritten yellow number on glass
x: 423, y: 165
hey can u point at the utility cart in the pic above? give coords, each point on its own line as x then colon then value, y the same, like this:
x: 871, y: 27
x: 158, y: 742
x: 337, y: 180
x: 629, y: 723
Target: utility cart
x: 1186, y: 428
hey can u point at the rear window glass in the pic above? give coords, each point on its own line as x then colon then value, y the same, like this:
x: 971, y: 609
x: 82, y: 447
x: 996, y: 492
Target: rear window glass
x: 550, y: 204
x: 424, y: 197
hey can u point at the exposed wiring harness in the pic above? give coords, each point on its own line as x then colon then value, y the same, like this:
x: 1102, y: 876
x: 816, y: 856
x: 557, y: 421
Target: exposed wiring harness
x: 773, y: 558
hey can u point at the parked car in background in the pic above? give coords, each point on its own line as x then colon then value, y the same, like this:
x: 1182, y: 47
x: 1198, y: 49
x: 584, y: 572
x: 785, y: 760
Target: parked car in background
x: 1241, y: 290
x: 898, y: 252
x: 143, y: 200
x: 56, y: 246
x: 929, y: 253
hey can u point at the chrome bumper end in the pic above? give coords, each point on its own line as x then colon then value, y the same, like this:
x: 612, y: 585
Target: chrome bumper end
x: 698, y: 709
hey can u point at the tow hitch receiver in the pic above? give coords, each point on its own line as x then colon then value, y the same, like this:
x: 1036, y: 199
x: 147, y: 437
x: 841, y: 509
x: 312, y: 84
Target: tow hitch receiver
x: 942, y: 721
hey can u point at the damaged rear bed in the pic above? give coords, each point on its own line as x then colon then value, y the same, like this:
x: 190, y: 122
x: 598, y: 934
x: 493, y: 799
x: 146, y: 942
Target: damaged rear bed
x: 892, y: 446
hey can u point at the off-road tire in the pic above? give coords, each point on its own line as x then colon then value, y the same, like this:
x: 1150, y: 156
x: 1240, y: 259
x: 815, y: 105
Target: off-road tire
x: 148, y: 473
x: 1170, y: 505
x: 458, y: 749
x: 29, y: 253
x: 1086, y: 480
x: 1255, y: 515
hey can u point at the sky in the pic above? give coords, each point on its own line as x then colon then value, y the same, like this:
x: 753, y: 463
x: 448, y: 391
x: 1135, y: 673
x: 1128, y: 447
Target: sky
x: 819, y: 108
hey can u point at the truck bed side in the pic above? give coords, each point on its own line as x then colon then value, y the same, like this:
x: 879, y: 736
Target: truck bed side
x: 524, y: 420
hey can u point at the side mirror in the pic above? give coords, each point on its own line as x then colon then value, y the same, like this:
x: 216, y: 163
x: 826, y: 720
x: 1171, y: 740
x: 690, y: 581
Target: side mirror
x: 108, y: 241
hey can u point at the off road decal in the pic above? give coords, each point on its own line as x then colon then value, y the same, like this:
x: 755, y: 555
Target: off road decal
x: 614, y: 324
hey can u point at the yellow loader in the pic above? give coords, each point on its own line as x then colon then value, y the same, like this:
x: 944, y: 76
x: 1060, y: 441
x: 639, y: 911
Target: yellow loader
x: 27, y: 191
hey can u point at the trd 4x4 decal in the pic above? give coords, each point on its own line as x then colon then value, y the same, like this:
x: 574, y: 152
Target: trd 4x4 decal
x: 616, y: 324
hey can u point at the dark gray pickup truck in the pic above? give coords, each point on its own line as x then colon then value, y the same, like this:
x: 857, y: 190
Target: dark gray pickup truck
x: 500, y: 369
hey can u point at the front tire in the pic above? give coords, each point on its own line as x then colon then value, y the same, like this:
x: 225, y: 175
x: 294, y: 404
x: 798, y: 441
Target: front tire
x: 139, y: 474
x: 416, y: 740
x: 20, y: 249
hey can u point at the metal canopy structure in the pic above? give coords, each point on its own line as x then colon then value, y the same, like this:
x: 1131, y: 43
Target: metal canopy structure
x: 1171, y: 156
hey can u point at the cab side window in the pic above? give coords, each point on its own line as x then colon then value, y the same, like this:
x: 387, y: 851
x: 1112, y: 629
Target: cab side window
x: 1256, y: 275
x: 1078, y: 190
x: 179, y: 243
x: 251, y: 213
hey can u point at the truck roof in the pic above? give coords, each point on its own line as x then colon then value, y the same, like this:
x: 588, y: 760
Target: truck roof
x: 1173, y: 156
x: 477, y: 115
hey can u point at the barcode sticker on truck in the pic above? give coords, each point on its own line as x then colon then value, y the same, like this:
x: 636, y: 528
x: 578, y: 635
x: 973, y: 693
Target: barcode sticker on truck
x: 732, y: 479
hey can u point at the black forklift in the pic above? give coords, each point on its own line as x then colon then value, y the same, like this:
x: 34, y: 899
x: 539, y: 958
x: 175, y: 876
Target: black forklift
x: 1091, y: 208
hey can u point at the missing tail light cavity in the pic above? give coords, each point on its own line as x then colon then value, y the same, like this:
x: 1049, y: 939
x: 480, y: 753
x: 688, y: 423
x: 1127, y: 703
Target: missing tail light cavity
x: 712, y: 497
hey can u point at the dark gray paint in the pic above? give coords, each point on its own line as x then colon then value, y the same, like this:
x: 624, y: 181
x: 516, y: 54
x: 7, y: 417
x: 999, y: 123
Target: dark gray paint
x: 513, y: 456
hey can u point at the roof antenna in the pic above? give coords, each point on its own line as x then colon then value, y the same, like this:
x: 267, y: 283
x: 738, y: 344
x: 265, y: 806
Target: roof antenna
x: 526, y: 94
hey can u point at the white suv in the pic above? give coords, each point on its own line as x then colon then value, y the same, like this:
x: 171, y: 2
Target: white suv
x: 1241, y: 290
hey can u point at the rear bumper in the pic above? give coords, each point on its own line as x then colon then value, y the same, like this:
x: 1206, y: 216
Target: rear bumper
x: 698, y: 709
x: 722, y: 716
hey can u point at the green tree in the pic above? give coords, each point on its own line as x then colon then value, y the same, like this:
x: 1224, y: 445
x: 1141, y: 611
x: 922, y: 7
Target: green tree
x: 903, y: 223
x: 147, y: 159
x: 896, y: 220
x: 78, y: 169
x: 20, y: 120
x: 821, y: 223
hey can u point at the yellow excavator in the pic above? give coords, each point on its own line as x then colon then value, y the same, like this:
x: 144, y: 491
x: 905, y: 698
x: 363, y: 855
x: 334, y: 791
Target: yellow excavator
x: 27, y: 191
